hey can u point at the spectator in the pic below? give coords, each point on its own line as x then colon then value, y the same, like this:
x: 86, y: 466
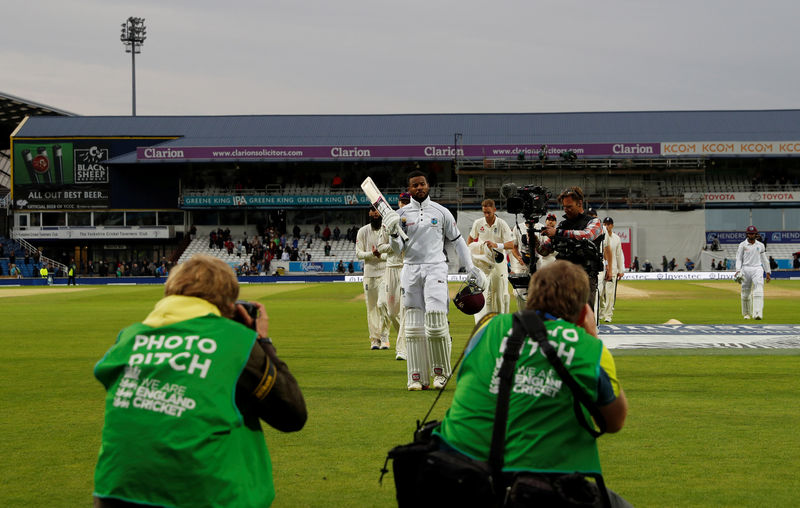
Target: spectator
x: 146, y: 448
x: 326, y: 233
x: 773, y: 265
x: 316, y: 231
x: 350, y: 267
x: 715, y: 245
x: 713, y: 264
x: 296, y: 231
x: 796, y: 260
x: 672, y: 265
x: 664, y: 264
x: 336, y: 233
x: 635, y: 264
x: 14, y: 271
x: 648, y: 266
x: 327, y: 249
x: 340, y: 266
x: 689, y: 265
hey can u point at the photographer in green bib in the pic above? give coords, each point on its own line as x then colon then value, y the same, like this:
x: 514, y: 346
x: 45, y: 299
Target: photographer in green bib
x: 544, y: 439
x: 185, y: 391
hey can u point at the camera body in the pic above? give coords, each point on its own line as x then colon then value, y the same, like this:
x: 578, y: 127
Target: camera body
x: 580, y: 252
x: 251, y: 309
x: 529, y: 201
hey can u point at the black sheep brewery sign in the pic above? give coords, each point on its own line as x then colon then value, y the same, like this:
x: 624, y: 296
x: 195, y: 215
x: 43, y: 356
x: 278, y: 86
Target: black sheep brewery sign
x: 61, y: 175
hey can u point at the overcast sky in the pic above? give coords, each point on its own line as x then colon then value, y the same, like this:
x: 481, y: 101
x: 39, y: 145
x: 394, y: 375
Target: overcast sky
x: 352, y: 56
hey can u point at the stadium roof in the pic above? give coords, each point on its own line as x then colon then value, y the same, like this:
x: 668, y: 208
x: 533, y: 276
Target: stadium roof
x: 14, y: 109
x: 433, y: 129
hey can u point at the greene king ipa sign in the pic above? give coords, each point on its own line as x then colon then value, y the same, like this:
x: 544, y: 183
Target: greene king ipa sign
x: 61, y: 175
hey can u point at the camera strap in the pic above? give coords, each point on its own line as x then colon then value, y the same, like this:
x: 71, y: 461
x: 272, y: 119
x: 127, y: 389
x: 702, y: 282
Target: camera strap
x: 534, y: 327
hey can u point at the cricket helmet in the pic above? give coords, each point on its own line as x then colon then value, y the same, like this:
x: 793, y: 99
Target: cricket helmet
x: 469, y: 299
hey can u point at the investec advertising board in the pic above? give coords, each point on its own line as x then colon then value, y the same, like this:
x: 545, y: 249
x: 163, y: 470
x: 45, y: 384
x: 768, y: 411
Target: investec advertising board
x: 66, y: 174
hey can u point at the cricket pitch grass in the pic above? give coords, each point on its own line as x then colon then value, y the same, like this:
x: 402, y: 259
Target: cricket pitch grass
x: 711, y: 427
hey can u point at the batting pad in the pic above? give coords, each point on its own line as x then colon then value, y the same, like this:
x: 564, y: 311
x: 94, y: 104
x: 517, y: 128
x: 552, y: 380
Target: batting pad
x: 438, y: 341
x: 417, y: 363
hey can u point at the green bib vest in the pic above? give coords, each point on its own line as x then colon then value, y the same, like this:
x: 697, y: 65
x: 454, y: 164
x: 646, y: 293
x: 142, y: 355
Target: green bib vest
x: 173, y: 435
x: 543, y: 434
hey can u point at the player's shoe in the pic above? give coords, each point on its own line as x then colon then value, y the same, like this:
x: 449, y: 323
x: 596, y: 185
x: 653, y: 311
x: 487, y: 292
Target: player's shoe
x: 385, y: 345
x: 376, y: 344
x: 439, y: 382
x: 747, y: 316
x: 415, y: 386
x: 607, y: 320
x: 400, y: 356
x: 758, y: 318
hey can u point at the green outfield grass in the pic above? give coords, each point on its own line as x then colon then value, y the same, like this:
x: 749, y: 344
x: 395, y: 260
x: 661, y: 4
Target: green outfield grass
x: 706, y: 428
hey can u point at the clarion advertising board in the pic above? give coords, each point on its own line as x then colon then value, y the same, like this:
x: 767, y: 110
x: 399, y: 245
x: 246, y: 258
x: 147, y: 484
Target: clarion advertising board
x: 65, y: 174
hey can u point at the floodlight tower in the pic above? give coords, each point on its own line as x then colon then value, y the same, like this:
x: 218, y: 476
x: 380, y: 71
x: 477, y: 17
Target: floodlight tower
x: 133, y: 35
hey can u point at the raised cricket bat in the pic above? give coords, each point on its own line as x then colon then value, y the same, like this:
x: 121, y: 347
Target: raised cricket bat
x: 379, y: 202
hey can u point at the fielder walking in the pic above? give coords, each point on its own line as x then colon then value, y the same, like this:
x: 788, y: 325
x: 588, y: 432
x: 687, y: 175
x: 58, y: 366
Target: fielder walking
x: 424, y: 281
x: 751, y: 264
x: 367, y: 241
x: 614, y: 270
x: 492, y: 231
x: 390, y: 302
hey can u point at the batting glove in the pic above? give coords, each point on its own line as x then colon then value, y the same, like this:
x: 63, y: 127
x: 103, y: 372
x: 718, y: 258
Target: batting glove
x: 476, y: 276
x: 738, y: 277
x: 391, y: 220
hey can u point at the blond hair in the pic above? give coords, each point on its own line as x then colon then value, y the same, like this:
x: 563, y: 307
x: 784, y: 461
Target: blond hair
x: 205, y: 277
x: 488, y: 202
x: 561, y: 289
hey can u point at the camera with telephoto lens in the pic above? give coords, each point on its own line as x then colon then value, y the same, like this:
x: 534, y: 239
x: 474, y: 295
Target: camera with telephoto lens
x: 530, y: 201
x: 252, y: 311
x: 580, y: 252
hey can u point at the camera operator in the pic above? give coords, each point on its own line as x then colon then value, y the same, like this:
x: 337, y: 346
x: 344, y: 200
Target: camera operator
x: 185, y: 390
x: 521, y: 257
x: 577, y: 227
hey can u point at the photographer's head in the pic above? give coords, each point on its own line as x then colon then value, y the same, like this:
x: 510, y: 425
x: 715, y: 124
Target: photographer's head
x: 208, y: 278
x: 489, y: 210
x: 560, y: 289
x: 571, y: 201
x: 418, y: 185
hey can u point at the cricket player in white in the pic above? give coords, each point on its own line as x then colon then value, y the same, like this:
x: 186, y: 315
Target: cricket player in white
x: 424, y: 281
x: 751, y: 264
x: 520, y: 252
x: 495, y: 233
x: 367, y: 240
x: 390, y: 302
x: 614, y: 270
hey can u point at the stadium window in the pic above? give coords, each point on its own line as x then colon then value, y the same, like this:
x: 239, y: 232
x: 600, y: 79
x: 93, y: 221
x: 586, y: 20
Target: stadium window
x: 35, y: 219
x: 140, y: 218
x: 202, y: 218
x: 231, y: 217
x: 170, y: 218
x: 75, y: 219
x: 109, y: 219
x: 255, y: 217
x: 54, y: 219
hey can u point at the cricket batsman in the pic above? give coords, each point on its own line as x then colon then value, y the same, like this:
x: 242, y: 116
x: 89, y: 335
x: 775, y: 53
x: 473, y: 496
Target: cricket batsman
x: 424, y: 281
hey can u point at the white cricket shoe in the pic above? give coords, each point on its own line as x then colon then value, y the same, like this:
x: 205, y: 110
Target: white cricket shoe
x: 415, y: 386
x: 376, y: 344
x: 385, y: 345
x: 758, y: 318
x: 747, y: 316
x: 400, y: 356
x: 607, y: 320
x: 439, y: 382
